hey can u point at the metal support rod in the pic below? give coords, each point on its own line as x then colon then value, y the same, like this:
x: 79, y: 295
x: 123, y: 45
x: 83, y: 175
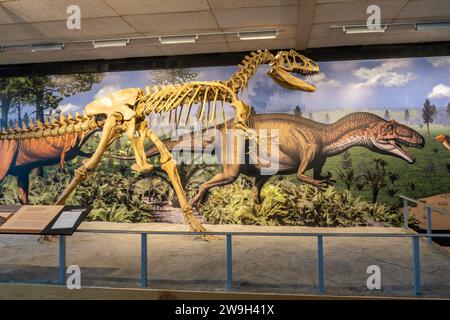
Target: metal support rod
x: 429, y: 226
x: 62, y: 260
x: 416, y: 265
x: 229, y: 262
x: 405, y: 213
x: 320, y: 276
x: 143, y: 260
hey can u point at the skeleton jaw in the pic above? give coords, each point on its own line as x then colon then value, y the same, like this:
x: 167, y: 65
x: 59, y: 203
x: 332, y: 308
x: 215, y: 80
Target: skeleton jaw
x: 288, y: 81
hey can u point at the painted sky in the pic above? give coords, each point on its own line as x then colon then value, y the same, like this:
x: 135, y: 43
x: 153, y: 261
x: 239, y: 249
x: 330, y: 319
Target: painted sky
x: 358, y: 85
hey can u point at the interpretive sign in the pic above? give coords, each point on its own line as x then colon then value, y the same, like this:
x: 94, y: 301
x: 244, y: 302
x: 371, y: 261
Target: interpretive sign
x: 40, y: 219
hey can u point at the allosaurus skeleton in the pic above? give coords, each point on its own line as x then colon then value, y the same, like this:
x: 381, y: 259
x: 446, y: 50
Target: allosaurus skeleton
x: 124, y: 112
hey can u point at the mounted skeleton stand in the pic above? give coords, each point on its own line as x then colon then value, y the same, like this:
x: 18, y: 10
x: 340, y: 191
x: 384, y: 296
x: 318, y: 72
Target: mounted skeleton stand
x: 126, y: 111
x: 123, y: 120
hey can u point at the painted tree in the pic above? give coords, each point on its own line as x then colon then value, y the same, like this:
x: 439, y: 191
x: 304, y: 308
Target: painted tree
x: 428, y: 113
x: 387, y: 115
x: 327, y: 118
x: 448, y: 111
x: 347, y: 174
x: 298, y: 111
x: 407, y: 116
x: 13, y: 94
x: 310, y: 116
x: 173, y: 76
x: 377, y: 179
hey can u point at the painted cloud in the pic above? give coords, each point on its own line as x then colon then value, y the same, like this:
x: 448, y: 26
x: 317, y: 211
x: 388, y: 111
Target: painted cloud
x: 439, y: 91
x: 383, y: 75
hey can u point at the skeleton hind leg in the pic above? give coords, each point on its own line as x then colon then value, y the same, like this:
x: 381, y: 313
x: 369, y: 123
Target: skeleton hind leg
x: 168, y: 164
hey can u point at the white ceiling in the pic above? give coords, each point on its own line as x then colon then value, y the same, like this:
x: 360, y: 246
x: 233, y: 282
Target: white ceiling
x: 302, y: 23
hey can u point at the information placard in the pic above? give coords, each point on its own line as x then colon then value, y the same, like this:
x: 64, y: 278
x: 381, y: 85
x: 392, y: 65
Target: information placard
x: 44, y: 219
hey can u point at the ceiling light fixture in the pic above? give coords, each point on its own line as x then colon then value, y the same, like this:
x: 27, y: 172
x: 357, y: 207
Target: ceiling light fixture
x: 178, y: 39
x: 257, y: 35
x: 163, y: 39
x: 429, y: 26
x: 47, y: 47
x: 363, y: 29
x: 110, y: 43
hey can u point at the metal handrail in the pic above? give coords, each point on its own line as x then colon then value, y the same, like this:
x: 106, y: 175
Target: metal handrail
x: 426, y: 205
x: 429, y: 209
x: 229, y: 260
x: 267, y: 234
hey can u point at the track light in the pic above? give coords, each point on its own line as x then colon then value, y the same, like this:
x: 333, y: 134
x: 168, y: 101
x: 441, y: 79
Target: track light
x: 178, y: 39
x: 429, y: 26
x: 258, y: 35
x: 47, y: 47
x: 363, y: 29
x: 110, y: 43
x: 167, y: 39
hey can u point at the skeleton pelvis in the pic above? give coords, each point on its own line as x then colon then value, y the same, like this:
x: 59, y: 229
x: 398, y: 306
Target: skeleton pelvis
x: 121, y: 101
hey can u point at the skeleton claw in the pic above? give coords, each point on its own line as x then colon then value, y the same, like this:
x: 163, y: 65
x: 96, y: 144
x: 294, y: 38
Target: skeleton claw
x: 145, y: 169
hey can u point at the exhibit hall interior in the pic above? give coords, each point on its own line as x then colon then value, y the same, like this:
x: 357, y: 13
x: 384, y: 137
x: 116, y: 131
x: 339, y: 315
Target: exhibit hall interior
x: 225, y: 150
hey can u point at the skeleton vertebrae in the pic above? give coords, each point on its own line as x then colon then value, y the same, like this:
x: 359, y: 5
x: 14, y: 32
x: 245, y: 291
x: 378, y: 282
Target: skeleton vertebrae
x: 78, y: 125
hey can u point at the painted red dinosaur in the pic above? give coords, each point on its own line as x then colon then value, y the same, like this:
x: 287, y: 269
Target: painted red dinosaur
x: 43, y: 144
x: 445, y: 140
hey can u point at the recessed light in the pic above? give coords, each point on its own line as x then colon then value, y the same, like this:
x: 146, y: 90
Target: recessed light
x: 425, y: 26
x: 110, y: 43
x: 178, y: 39
x: 258, y: 35
x: 47, y: 47
x: 363, y: 29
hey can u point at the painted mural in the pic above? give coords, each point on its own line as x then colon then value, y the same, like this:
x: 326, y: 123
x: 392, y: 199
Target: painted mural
x: 339, y: 156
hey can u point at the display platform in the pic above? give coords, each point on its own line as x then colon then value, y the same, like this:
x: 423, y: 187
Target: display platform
x: 42, y: 219
x: 261, y: 264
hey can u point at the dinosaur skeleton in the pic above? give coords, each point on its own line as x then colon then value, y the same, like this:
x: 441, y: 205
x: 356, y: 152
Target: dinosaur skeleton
x: 124, y: 112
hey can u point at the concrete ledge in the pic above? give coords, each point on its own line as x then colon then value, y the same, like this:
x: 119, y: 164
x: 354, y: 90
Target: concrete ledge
x: 52, y: 292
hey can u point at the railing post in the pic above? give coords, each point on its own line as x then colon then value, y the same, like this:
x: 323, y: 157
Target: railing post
x: 229, y: 263
x: 62, y: 260
x: 416, y: 265
x: 320, y: 276
x: 143, y: 260
x: 405, y: 213
x: 429, y: 227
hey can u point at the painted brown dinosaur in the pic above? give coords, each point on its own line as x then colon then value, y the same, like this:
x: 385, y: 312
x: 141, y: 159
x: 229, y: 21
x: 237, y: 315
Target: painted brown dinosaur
x: 304, y: 144
x: 43, y: 144
x: 445, y: 140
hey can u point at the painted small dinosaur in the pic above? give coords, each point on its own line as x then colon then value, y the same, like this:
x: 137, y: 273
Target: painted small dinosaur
x: 42, y: 144
x: 125, y: 112
x: 304, y: 144
x: 445, y: 140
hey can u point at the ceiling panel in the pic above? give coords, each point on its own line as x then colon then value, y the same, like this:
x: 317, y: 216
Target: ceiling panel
x: 302, y: 23
x: 426, y: 9
x: 129, y: 7
x: 225, y: 4
x: 259, y: 16
x: 90, y: 29
x: 166, y: 23
x: 355, y: 11
x: 51, y: 10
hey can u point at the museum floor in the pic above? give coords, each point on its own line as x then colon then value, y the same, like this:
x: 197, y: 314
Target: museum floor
x: 260, y: 264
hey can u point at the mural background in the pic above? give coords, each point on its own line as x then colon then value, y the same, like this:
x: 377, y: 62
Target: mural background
x: 392, y: 88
